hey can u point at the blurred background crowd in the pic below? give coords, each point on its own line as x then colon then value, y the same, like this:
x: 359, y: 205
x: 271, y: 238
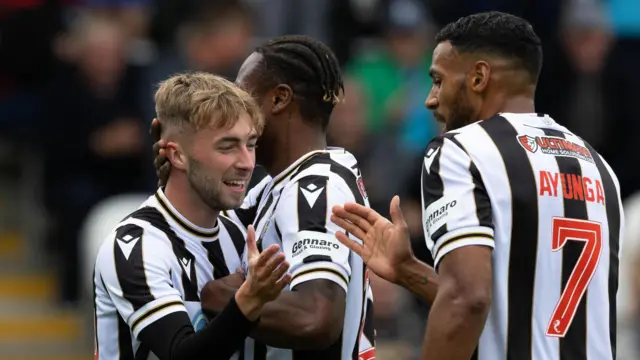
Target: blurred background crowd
x: 76, y: 85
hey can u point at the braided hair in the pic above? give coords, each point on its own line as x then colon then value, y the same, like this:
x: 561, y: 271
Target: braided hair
x: 310, y: 68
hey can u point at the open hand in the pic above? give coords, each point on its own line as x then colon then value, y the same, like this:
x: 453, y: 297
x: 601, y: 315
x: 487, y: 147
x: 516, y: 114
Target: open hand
x: 163, y: 167
x: 385, y: 244
x: 266, y: 277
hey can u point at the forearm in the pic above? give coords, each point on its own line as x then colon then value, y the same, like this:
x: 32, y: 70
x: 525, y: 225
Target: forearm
x: 308, y: 318
x: 224, y: 294
x: 287, y: 322
x: 419, y: 278
x: 172, y: 337
x: 454, y: 328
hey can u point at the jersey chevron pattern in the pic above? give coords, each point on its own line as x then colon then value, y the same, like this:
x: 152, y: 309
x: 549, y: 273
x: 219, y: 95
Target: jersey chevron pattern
x: 293, y: 210
x: 154, y: 263
x: 549, y: 206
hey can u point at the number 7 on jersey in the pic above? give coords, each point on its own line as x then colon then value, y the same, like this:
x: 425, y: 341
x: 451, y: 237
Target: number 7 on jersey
x: 590, y: 233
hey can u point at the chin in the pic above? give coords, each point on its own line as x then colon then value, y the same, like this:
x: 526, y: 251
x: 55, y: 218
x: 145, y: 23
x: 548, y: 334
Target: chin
x: 234, y: 201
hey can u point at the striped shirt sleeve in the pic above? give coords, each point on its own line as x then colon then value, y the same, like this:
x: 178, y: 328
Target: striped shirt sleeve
x: 134, y: 269
x: 456, y: 209
x: 308, y: 235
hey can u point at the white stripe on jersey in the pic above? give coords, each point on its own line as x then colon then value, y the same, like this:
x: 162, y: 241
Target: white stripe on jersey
x: 294, y: 212
x: 540, y: 179
x: 177, y: 259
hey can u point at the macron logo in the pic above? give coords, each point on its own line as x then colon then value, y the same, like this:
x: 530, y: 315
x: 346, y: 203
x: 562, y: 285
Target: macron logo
x: 186, y: 264
x: 126, y: 244
x: 428, y: 159
x: 311, y: 193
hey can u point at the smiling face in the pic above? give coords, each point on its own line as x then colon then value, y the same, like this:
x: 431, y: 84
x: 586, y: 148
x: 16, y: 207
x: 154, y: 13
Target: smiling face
x: 220, y: 162
x: 450, y: 97
x: 211, y: 127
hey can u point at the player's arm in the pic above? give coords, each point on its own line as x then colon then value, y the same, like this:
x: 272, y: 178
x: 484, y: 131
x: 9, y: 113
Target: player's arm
x: 307, y: 318
x: 419, y: 278
x: 311, y: 315
x: 135, y: 273
x: 458, y: 228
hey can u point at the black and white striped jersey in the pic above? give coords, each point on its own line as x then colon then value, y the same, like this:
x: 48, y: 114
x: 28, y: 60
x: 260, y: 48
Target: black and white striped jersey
x: 155, y: 263
x: 293, y: 210
x: 247, y: 212
x: 549, y: 206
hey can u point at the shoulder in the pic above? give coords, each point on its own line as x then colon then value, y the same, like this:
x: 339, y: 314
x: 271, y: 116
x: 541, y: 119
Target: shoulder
x: 145, y: 231
x: 335, y: 164
x: 444, y: 149
x: 317, y: 191
x: 336, y: 169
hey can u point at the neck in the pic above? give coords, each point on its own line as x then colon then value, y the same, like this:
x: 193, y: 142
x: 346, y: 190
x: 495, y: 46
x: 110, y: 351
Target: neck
x: 297, y: 141
x: 188, y: 203
x: 519, y: 104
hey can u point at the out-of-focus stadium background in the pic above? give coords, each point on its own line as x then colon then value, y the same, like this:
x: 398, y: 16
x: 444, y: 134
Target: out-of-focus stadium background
x: 76, y: 85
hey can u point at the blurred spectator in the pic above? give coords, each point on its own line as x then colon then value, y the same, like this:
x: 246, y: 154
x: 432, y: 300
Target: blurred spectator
x: 347, y: 127
x: 586, y: 37
x: 353, y: 21
x: 395, y: 81
x: 621, y: 79
x: 214, y: 37
x: 281, y: 17
x: 93, y: 133
x: 132, y: 16
x: 27, y: 62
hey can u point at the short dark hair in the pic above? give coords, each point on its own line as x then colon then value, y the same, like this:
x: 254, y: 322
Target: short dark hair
x: 310, y: 68
x: 496, y: 33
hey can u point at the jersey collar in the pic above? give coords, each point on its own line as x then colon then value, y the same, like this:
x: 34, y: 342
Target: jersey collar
x: 187, y: 225
x: 285, y: 175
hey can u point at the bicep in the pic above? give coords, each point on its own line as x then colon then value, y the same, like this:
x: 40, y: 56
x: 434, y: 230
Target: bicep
x: 467, y: 273
x: 322, y: 290
x: 134, y: 271
x: 456, y: 207
x: 308, y: 235
x: 327, y: 299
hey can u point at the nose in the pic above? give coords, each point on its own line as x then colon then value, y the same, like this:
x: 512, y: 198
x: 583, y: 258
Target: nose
x: 246, y: 159
x: 432, y: 101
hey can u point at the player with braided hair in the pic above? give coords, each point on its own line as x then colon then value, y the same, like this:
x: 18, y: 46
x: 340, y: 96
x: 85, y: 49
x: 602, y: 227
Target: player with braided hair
x: 287, y: 73
x: 327, y: 313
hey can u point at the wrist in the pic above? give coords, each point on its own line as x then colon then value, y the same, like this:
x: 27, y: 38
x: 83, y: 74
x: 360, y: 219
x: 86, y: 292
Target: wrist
x: 411, y: 272
x: 249, y: 305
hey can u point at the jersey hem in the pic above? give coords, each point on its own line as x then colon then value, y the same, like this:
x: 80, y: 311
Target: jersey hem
x: 462, y: 242
x: 326, y: 273
x: 455, y: 235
